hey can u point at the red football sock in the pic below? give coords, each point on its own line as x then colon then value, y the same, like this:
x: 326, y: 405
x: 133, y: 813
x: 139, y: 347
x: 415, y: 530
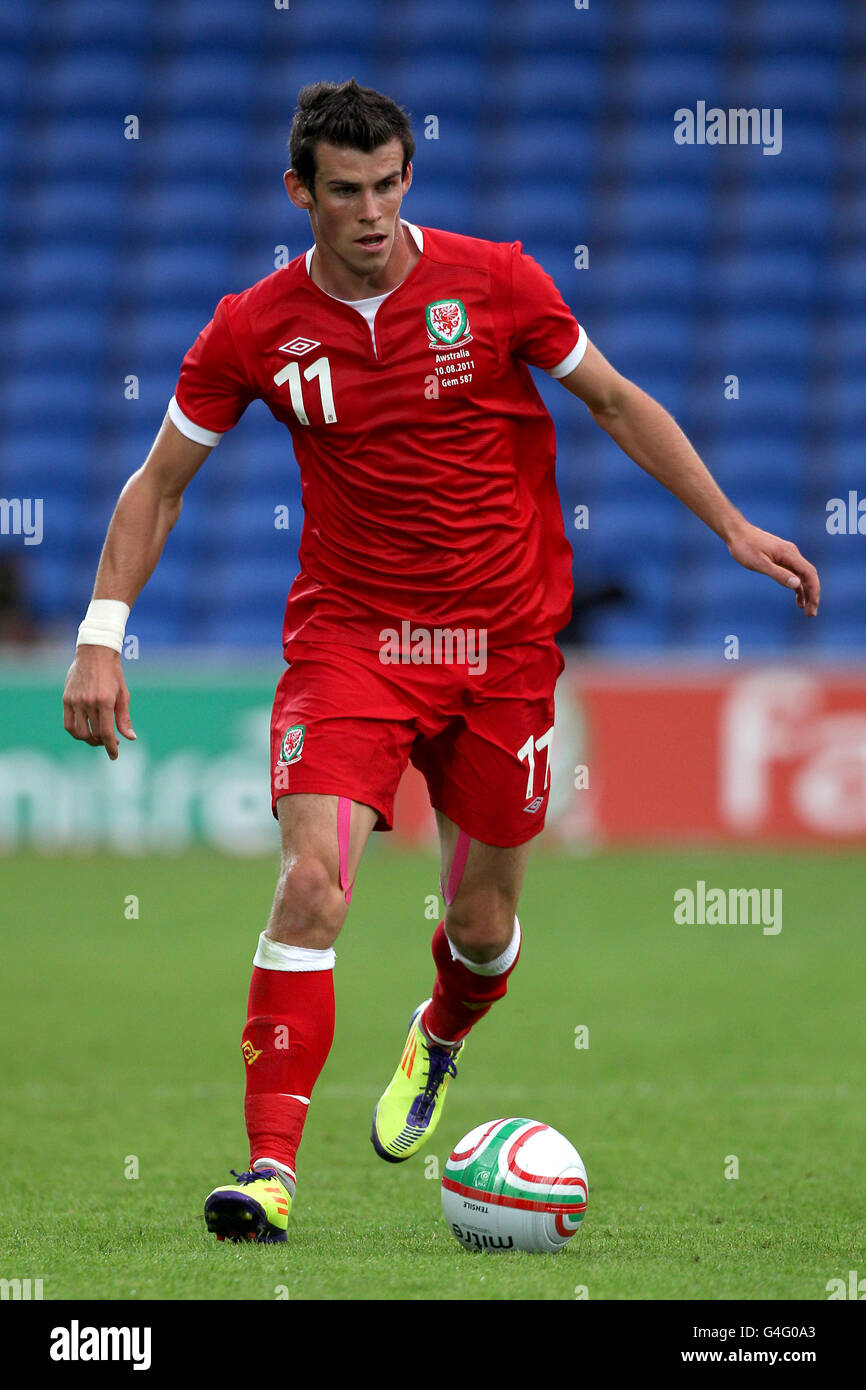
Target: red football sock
x: 460, y: 995
x: 286, y: 1041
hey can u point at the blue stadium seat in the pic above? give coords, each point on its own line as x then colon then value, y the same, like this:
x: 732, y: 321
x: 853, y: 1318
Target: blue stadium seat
x: 81, y: 24
x: 267, y: 463
x: 796, y: 25
x: 768, y: 215
x: 638, y: 519
x: 779, y: 279
x: 322, y: 30
x: 844, y: 465
x: 22, y: 23
x: 703, y: 26
x: 179, y: 274
x: 267, y: 219
x: 809, y: 83
x: 643, y: 149
x: 673, y: 217
x: 81, y: 147
x: 433, y: 201
x: 423, y: 27
x: 186, y: 209
x: 255, y: 588
x: 13, y: 74
x: 759, y: 637
x: 660, y: 83
x: 769, y: 466
x: 224, y: 26
x: 845, y: 281
x: 845, y: 402
x: 56, y: 339
x: 781, y: 514
x: 200, y: 80
x: 555, y: 129
x: 761, y: 340
x: 157, y: 335
x: 778, y: 406
x: 809, y: 151
x: 629, y: 629
x: 281, y: 74
x: 95, y: 79
x: 249, y: 523
x: 844, y: 596
x: 851, y: 344
x: 47, y: 585
x: 727, y: 594
x: 634, y: 340
x: 73, y: 272
x: 567, y: 84
x: 544, y: 144
x: 41, y: 459
x: 549, y: 26
x: 65, y: 208
x: 533, y: 210
x: 259, y: 630
x: 198, y: 149
x: 424, y: 86
x: 158, y: 628
x: 838, y: 637
x: 649, y: 276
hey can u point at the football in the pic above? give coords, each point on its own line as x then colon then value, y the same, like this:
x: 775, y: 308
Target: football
x: 514, y: 1184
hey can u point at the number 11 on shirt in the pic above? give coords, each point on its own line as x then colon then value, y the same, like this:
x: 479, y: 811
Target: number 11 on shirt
x: 528, y: 751
x: 292, y: 374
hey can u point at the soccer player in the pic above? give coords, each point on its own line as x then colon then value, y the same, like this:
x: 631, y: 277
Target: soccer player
x: 434, y: 574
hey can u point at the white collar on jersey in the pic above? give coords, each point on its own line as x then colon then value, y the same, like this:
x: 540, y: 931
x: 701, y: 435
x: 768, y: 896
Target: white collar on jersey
x: 416, y: 234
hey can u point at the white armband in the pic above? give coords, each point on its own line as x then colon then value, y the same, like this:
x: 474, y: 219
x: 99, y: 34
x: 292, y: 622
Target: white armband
x: 104, y: 624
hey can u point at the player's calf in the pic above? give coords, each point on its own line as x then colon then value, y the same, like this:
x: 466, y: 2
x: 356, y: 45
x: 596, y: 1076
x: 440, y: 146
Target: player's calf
x: 465, y: 988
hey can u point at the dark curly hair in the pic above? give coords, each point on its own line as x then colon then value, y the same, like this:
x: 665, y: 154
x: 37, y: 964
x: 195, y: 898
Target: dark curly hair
x: 346, y: 115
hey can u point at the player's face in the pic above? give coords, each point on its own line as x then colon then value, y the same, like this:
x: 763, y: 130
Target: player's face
x: 356, y: 207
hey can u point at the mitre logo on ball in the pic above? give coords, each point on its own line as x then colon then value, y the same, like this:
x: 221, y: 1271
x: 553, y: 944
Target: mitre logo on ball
x: 447, y: 323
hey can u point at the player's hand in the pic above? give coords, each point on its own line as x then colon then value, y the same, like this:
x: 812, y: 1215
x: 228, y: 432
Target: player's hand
x: 94, y: 697
x: 781, y: 560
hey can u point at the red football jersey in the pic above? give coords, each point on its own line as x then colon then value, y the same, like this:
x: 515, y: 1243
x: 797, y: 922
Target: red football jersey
x: 426, y: 453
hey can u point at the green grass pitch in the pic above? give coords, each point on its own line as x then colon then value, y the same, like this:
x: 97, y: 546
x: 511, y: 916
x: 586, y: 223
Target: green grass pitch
x: 121, y: 1055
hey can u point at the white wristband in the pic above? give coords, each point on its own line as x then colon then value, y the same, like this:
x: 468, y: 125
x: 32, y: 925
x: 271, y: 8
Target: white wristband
x: 104, y: 624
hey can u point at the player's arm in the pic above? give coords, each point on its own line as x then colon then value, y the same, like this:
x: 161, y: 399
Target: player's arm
x: 148, y: 507
x: 645, y: 431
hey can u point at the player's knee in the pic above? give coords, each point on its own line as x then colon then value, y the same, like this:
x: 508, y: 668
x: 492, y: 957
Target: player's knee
x: 481, y: 926
x: 309, y: 905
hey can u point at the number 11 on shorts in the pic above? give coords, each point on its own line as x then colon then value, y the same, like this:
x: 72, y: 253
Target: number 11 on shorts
x: 528, y: 752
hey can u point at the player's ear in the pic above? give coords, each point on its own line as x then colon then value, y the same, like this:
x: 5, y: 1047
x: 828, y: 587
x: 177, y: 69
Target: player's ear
x: 407, y: 178
x: 297, y: 190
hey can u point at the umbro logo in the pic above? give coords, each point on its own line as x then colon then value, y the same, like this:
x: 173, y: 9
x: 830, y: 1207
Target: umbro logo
x: 298, y: 346
x: 535, y: 805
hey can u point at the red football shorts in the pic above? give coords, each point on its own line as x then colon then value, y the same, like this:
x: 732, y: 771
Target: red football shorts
x: 345, y: 724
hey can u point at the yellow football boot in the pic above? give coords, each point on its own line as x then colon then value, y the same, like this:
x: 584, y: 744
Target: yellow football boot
x: 255, y: 1208
x: 411, y: 1108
